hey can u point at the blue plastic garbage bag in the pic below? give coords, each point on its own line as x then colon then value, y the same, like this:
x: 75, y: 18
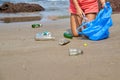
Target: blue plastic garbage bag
x: 98, y: 29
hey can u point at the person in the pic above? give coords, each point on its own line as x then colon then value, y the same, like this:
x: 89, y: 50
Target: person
x: 78, y: 8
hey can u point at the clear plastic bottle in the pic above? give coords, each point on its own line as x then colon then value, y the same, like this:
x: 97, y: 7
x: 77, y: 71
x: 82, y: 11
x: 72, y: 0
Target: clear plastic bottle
x: 74, y: 52
x: 44, y: 36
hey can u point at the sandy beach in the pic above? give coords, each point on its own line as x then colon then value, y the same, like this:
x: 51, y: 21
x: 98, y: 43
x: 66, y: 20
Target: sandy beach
x: 23, y: 58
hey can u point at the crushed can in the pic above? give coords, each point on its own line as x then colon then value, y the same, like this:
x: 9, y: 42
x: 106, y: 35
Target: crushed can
x: 63, y: 42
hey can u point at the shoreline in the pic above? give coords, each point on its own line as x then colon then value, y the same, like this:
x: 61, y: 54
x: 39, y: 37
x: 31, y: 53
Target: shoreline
x: 31, y: 18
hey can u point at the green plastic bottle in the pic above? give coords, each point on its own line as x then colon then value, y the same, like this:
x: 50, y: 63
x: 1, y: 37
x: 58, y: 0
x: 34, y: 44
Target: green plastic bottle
x: 68, y: 35
x: 36, y: 25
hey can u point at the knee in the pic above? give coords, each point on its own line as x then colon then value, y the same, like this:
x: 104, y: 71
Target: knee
x: 75, y: 34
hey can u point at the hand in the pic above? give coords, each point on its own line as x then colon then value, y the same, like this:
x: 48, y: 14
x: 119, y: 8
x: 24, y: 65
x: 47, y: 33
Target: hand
x: 103, y: 5
x: 80, y: 12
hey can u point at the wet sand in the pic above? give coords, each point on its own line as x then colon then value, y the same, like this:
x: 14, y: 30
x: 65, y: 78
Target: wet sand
x: 23, y: 58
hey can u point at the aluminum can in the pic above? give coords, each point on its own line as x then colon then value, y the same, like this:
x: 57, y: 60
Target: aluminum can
x: 63, y: 42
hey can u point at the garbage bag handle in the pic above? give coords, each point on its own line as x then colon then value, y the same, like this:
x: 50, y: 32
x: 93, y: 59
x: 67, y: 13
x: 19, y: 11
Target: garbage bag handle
x: 81, y: 27
x: 85, y: 19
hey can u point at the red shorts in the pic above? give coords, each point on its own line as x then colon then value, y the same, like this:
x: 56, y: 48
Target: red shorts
x: 88, y: 6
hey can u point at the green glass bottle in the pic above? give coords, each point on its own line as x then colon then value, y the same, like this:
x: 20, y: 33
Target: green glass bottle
x: 36, y: 25
x: 68, y: 35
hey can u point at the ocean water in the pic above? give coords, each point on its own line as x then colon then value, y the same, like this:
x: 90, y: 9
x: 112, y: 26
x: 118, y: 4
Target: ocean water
x: 52, y: 8
x: 55, y: 7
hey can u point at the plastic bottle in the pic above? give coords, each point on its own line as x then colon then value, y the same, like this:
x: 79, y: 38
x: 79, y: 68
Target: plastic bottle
x: 73, y: 52
x: 36, y: 25
x: 44, y: 36
x: 68, y: 35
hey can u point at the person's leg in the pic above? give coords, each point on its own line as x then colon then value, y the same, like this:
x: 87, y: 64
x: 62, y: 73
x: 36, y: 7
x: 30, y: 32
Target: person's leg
x: 91, y: 16
x: 75, y: 22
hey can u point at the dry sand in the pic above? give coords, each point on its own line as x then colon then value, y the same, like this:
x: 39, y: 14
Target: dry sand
x: 23, y: 58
